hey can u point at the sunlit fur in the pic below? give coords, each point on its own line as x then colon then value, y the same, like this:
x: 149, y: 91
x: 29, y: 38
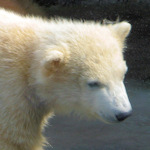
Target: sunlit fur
x: 45, y: 67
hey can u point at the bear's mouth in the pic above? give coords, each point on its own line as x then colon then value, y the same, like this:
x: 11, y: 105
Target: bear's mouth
x: 108, y: 120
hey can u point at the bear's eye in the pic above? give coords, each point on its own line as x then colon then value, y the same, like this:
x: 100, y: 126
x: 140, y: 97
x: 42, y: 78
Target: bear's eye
x: 94, y: 84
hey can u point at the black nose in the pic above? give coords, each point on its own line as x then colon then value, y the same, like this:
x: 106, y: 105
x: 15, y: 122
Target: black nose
x: 123, y: 116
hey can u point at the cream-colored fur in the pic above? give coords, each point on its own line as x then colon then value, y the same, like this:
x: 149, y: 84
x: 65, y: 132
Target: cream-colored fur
x: 45, y: 67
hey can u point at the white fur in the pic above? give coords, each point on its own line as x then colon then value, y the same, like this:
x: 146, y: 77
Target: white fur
x: 46, y: 67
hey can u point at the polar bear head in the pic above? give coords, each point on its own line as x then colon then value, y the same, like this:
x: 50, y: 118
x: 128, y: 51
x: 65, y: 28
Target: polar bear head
x: 83, y: 70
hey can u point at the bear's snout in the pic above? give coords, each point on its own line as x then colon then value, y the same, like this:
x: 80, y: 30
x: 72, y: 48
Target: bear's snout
x: 123, y: 116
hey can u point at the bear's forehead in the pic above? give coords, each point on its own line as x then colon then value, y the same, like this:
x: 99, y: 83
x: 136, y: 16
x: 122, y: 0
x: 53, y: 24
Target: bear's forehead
x: 95, y: 52
x: 99, y: 67
x: 94, y: 40
x: 104, y: 72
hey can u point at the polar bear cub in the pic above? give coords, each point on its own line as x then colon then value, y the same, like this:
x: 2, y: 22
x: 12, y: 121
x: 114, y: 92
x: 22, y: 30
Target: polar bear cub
x: 58, y: 66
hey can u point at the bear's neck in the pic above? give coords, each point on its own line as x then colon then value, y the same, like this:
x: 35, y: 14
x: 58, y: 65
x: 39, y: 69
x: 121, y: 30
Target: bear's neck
x: 40, y: 109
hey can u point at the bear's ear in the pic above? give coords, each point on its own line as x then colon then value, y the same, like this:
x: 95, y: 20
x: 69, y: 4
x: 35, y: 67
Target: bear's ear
x: 53, y: 61
x: 122, y: 30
